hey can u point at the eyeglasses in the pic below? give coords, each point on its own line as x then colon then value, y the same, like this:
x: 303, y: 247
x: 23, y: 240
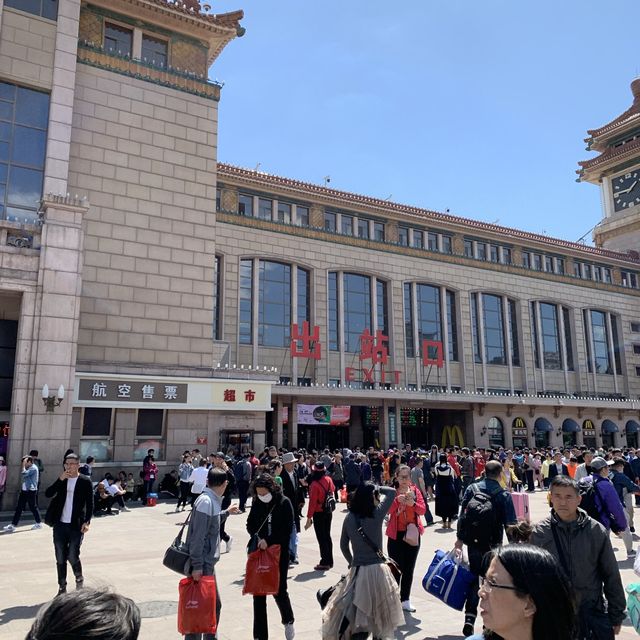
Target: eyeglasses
x: 488, y: 585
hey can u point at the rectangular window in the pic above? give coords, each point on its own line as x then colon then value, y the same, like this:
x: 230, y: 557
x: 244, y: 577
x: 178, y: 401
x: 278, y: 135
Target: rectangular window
x: 356, y: 312
x: 218, y: 198
x: 432, y: 241
x: 274, y: 304
x: 526, y: 260
x: 302, y: 216
x: 560, y: 266
x: 346, y: 225
x: 245, y: 325
x: 636, y: 349
x: 638, y: 371
x: 597, y: 274
x: 154, y: 51
x: 217, y: 299
x: 493, y: 329
x: 606, y: 275
x: 447, y: 244
x: 506, y: 255
x: 475, y: 329
x: 118, y: 40
x: 418, y: 239
x: 536, y: 264
x: 24, y: 116
x: 468, y: 248
x: 403, y: 236
x: 149, y: 432
x: 452, y: 328
x: 333, y: 311
x: 513, y: 328
x: 284, y: 212
x: 43, y: 8
x: 567, y: 337
x: 363, y: 228
x: 96, y: 434
x: 304, y: 296
x: 599, y: 339
x: 635, y: 327
x: 481, y: 250
x: 587, y: 271
x: 381, y: 311
x: 548, y: 264
x: 577, y: 269
x: 265, y: 208
x: 408, y: 320
x: 245, y: 205
x: 494, y: 251
x: 330, y: 221
x: 378, y: 231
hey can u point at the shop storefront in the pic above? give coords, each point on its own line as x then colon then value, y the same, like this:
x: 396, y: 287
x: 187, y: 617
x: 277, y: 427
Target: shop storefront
x: 589, y: 434
x: 520, y: 433
x: 631, y: 429
x: 570, y: 429
x: 609, y: 428
x: 495, y: 430
x: 542, y: 428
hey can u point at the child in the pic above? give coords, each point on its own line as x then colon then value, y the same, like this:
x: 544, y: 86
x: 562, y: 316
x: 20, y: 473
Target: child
x: 130, y: 488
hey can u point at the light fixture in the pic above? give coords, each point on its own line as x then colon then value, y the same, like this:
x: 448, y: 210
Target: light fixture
x: 51, y: 402
x: 559, y: 433
x: 483, y: 431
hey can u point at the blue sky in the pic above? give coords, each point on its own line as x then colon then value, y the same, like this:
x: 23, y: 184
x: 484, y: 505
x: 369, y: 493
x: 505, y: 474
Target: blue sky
x: 476, y: 107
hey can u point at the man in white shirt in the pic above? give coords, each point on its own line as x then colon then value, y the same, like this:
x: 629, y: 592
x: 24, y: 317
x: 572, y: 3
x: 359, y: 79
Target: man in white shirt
x: 198, y: 478
x: 69, y: 514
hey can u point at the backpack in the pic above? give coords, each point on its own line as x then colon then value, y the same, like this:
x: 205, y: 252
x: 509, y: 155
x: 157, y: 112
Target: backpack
x: 329, y: 505
x: 479, y: 524
x: 591, y: 500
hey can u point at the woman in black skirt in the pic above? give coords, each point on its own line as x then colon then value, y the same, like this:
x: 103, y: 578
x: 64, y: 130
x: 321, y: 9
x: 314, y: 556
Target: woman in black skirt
x: 446, y: 495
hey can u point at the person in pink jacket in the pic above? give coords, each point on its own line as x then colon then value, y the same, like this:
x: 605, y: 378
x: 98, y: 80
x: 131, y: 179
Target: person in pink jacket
x: 3, y: 479
x: 404, y: 530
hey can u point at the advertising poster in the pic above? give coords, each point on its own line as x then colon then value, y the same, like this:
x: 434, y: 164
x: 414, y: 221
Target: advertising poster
x: 323, y: 414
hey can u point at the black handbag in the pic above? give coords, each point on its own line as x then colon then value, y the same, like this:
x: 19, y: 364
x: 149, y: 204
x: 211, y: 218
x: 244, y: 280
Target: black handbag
x: 324, y: 595
x: 176, y: 557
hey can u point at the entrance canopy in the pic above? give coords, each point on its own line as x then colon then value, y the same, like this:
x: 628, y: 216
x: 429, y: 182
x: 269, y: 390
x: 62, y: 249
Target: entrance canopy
x: 632, y: 427
x: 608, y: 426
x: 542, y: 424
x: 570, y: 426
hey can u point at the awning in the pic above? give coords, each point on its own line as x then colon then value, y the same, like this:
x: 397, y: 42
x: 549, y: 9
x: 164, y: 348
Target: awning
x: 632, y: 426
x: 608, y: 426
x: 542, y: 424
x: 570, y: 426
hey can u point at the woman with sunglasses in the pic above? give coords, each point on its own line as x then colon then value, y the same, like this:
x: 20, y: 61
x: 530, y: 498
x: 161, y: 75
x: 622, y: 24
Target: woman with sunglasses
x: 524, y: 595
x: 404, y: 518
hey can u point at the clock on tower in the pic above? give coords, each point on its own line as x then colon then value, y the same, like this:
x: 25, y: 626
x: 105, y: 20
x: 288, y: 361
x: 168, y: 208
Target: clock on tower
x: 616, y: 170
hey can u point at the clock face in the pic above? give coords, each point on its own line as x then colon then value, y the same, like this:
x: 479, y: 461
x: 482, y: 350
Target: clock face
x: 626, y: 190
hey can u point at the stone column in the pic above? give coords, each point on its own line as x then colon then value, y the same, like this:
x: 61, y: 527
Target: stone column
x: 49, y: 331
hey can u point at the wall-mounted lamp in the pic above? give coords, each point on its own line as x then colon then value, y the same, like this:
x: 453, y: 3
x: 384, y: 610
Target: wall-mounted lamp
x: 51, y: 402
x: 483, y: 431
x: 559, y: 433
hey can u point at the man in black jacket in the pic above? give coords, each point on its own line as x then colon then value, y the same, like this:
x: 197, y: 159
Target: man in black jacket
x: 69, y: 514
x: 292, y: 490
x: 557, y: 467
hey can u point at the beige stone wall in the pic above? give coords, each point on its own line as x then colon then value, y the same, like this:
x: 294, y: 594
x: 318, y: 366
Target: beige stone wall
x: 27, y: 44
x: 235, y: 242
x: 145, y: 157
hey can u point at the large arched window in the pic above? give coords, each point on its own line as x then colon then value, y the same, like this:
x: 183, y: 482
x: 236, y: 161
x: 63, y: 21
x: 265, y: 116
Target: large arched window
x: 493, y: 331
x: 551, y: 325
x: 496, y: 432
x: 277, y: 306
x: 352, y: 295
x: 428, y: 322
x: 603, y: 346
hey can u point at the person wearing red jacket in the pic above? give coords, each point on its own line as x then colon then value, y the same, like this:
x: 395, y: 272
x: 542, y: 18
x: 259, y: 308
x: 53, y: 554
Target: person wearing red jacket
x: 405, y: 512
x: 320, y: 486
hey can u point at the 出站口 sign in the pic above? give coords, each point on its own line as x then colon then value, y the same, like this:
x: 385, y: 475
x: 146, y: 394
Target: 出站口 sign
x: 111, y: 390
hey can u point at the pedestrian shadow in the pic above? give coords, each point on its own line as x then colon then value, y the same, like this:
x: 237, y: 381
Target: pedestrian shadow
x: 309, y: 575
x: 23, y: 612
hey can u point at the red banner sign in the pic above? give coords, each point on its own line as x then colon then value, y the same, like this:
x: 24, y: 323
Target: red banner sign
x: 310, y: 346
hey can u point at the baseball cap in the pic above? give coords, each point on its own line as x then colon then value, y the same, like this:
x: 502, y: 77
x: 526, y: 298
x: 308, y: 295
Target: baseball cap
x: 598, y: 463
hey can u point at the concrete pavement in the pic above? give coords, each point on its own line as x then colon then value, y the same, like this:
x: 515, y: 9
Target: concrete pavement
x: 124, y: 553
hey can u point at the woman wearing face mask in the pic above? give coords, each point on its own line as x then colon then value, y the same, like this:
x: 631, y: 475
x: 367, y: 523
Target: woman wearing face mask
x: 271, y: 519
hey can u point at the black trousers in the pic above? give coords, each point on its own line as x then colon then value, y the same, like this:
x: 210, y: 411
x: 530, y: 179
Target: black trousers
x: 405, y: 555
x: 243, y: 492
x: 322, y: 527
x: 226, y: 501
x: 530, y: 482
x: 26, y: 498
x: 475, y: 564
x: 260, y: 624
x: 185, y: 489
x: 66, y: 542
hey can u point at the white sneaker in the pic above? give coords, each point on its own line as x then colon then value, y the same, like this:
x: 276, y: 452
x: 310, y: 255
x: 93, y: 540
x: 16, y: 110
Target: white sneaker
x: 9, y: 528
x: 229, y: 543
x: 289, y: 631
x: 406, y: 606
x: 126, y: 509
x: 37, y: 525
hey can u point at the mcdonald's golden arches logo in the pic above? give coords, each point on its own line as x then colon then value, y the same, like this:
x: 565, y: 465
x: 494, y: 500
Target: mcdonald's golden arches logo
x: 519, y: 423
x: 451, y: 433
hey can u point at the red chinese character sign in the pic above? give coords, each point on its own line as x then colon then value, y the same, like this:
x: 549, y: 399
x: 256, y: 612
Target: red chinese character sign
x: 229, y: 395
x: 309, y: 346
x: 373, y: 347
x: 432, y: 353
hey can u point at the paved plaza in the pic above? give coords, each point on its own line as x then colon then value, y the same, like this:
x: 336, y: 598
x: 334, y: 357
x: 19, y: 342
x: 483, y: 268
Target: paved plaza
x: 124, y: 553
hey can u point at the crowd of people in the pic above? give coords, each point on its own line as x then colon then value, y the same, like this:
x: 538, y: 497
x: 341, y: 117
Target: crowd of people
x: 389, y: 496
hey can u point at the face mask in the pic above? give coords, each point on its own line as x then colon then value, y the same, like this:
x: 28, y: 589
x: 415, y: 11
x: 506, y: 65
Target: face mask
x: 266, y: 498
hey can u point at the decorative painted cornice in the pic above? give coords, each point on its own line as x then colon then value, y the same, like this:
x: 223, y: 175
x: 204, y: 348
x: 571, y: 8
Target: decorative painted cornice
x: 97, y: 57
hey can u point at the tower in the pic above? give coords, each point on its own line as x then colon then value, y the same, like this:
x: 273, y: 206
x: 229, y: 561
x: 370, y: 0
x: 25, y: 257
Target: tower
x: 617, y: 171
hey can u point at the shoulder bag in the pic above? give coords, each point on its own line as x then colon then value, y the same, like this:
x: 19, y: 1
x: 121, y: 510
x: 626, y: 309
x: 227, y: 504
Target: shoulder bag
x: 176, y: 557
x: 392, y: 564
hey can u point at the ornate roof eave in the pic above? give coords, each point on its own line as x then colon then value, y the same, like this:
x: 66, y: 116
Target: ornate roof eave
x: 591, y: 170
x: 342, y: 199
x: 217, y: 30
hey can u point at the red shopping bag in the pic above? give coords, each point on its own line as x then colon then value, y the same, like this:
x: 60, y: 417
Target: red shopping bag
x: 262, y: 576
x: 197, y: 605
x: 343, y: 494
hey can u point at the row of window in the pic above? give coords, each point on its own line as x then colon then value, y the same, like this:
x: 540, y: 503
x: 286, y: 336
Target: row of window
x: 43, y: 8
x: 269, y: 209
x: 118, y: 40
x: 629, y: 279
x: 352, y: 225
x: 421, y: 239
x: 273, y: 295
x: 482, y: 250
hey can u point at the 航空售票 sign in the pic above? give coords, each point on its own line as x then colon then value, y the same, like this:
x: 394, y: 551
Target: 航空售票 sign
x: 110, y: 390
